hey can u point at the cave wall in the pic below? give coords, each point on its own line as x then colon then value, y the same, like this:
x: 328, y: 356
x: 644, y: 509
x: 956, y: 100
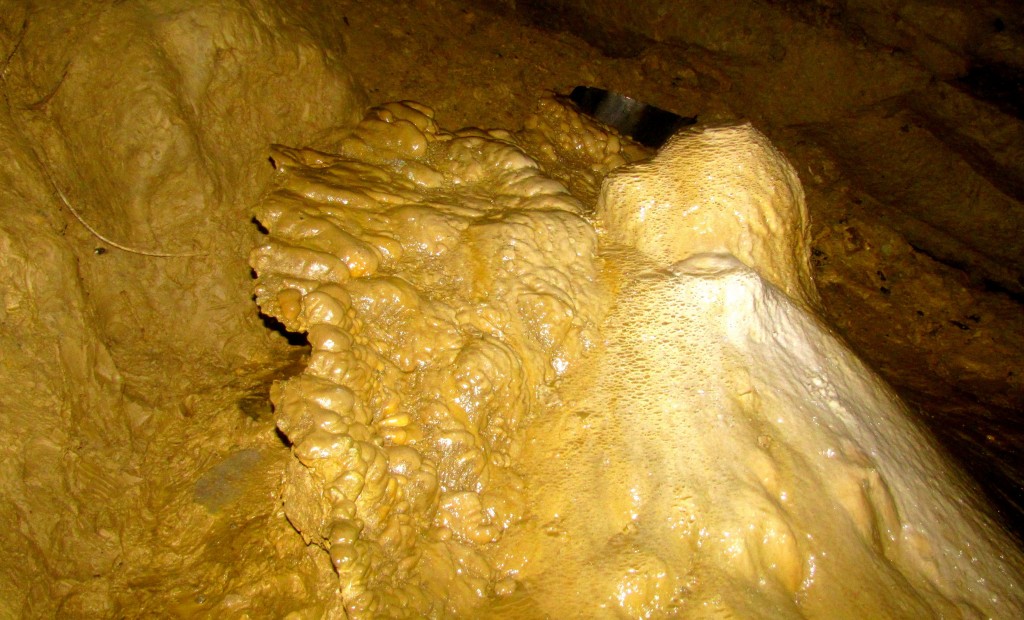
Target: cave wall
x: 153, y: 122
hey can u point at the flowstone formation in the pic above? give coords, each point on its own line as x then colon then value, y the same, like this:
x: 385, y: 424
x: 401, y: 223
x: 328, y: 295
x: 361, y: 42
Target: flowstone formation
x: 498, y: 420
x: 443, y: 280
x: 721, y: 189
x: 723, y: 454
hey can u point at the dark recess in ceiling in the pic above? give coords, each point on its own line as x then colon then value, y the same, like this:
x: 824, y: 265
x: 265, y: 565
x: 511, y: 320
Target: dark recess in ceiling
x: 556, y: 16
x: 1000, y: 84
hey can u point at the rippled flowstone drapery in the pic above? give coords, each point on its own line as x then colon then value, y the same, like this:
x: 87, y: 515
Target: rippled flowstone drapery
x: 495, y: 410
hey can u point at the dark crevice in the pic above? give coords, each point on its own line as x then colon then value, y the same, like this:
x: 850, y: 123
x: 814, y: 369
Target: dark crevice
x: 949, y: 262
x: 648, y: 125
x: 991, y: 286
x: 984, y: 283
x: 1006, y: 178
x: 293, y: 338
x: 555, y: 16
x: 1000, y: 84
x: 984, y: 450
x: 259, y: 226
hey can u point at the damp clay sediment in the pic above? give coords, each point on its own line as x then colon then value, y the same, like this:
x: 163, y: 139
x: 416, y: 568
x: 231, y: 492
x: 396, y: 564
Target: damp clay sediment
x: 509, y: 414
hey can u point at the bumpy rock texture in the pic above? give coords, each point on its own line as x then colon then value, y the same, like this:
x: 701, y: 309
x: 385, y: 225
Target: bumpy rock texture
x: 151, y: 119
x: 716, y: 451
x: 443, y: 279
x: 181, y: 151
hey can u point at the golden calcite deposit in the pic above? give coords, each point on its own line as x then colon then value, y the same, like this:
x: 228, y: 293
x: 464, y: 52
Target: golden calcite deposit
x: 719, y: 189
x: 443, y: 279
x: 500, y: 420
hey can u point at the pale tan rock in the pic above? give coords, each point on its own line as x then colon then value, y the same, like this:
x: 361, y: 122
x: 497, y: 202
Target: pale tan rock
x: 715, y: 189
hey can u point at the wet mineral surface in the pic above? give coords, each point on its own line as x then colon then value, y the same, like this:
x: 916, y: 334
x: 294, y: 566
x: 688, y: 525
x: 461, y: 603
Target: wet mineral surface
x: 460, y: 405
